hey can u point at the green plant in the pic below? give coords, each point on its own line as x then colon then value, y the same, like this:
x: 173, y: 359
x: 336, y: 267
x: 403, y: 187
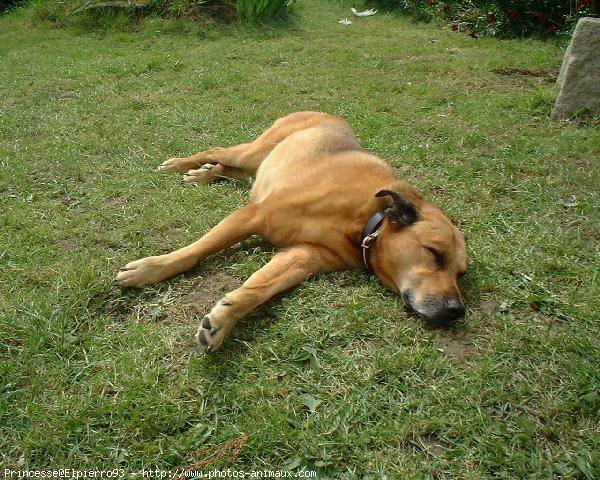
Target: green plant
x: 262, y: 9
x: 99, y: 12
x: 173, y: 8
x: 6, y: 4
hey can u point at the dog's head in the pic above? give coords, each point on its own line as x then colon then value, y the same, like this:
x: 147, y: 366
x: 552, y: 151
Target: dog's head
x: 421, y: 255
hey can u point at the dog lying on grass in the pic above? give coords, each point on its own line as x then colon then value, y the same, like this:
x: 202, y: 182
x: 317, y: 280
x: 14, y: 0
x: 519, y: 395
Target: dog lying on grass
x: 326, y: 204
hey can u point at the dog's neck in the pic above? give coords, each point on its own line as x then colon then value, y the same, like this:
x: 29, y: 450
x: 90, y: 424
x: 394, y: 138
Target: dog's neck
x: 369, y: 209
x: 368, y: 213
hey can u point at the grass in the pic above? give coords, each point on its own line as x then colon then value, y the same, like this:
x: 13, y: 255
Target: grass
x: 332, y: 376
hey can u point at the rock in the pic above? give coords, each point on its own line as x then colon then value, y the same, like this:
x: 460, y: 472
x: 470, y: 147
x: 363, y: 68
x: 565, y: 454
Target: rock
x: 579, y: 77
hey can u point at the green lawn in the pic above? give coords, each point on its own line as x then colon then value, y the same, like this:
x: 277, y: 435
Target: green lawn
x: 92, y: 376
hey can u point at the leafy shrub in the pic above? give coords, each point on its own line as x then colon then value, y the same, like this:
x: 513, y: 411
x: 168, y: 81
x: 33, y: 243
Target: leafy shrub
x: 524, y: 17
x: 103, y: 10
x: 262, y: 9
x: 500, y: 17
x: 6, y: 4
x: 164, y: 8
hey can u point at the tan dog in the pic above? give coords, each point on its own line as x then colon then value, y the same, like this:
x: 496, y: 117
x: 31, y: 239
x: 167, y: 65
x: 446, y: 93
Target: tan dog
x: 326, y: 204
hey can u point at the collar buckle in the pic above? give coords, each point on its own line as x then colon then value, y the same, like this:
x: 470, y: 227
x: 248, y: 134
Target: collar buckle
x: 369, y: 235
x: 370, y: 239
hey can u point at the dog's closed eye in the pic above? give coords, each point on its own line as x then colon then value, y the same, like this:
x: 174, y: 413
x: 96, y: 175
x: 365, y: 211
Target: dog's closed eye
x: 437, y: 255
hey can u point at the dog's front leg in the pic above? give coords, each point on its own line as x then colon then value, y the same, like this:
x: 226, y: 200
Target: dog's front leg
x: 287, y: 269
x: 233, y: 229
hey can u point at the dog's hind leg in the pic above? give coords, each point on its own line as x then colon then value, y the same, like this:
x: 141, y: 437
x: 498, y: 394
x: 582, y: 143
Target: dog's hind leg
x: 233, y: 229
x: 244, y: 159
x: 232, y: 157
x: 287, y: 269
x: 240, y: 161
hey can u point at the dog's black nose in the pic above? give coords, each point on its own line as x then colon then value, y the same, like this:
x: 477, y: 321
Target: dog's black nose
x: 454, y: 309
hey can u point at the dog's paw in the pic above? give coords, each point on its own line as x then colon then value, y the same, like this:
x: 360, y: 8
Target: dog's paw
x: 205, y: 174
x: 214, y: 327
x: 177, y: 165
x: 174, y: 165
x: 143, y: 272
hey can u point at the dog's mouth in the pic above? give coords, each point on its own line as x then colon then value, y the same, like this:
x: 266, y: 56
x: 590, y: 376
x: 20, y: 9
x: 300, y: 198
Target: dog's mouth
x: 430, y: 310
x: 408, y: 298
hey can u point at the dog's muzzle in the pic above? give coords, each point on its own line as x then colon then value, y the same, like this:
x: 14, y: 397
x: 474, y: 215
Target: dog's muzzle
x: 441, y: 311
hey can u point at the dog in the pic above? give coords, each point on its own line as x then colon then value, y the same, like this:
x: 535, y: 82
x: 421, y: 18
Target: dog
x: 326, y: 204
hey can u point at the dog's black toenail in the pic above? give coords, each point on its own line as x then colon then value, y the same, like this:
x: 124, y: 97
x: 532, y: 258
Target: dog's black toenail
x: 213, y: 330
x: 208, y: 348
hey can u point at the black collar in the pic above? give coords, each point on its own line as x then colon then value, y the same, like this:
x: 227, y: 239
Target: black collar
x: 369, y: 235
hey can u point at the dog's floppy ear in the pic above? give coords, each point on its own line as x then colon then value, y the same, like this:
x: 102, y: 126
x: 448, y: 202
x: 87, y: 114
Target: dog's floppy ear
x: 402, y: 211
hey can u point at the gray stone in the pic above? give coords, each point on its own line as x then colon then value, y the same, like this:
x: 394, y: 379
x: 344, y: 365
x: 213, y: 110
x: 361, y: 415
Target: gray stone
x: 579, y: 77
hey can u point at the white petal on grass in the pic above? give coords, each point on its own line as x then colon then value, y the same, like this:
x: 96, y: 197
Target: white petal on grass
x: 365, y: 13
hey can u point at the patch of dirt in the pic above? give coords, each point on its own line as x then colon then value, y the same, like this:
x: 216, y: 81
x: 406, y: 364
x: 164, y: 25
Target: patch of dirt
x: 488, y: 306
x: 433, y: 445
x: 546, y: 75
x: 210, y: 289
x: 116, y: 202
x: 170, y: 305
x: 456, y: 347
x: 67, y: 244
x: 429, y: 443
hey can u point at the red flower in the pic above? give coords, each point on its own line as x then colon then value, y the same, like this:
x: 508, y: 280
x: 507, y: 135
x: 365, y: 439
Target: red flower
x: 540, y: 16
x: 454, y: 27
x: 491, y: 18
x: 511, y: 14
x: 551, y: 27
